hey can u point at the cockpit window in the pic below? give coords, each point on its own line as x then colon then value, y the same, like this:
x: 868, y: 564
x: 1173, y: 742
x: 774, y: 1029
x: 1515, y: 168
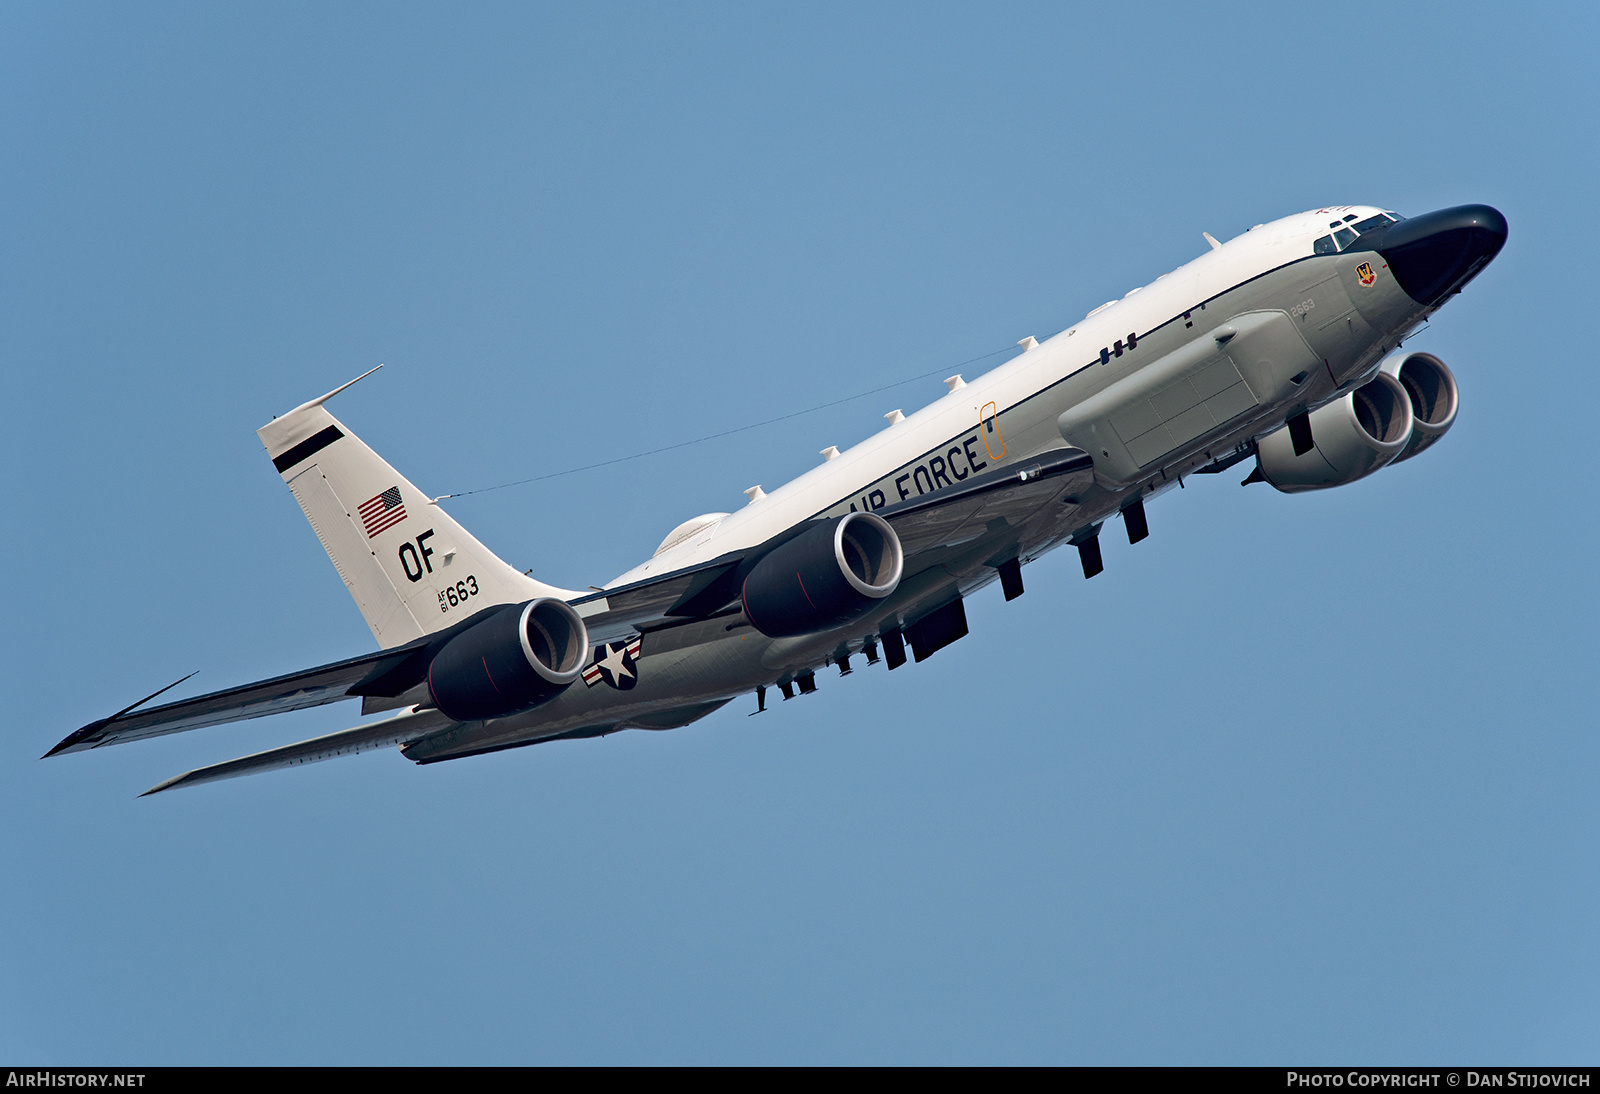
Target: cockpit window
x: 1346, y: 234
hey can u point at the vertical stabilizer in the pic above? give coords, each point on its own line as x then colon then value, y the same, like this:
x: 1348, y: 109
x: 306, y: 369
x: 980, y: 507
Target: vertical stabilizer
x: 410, y: 567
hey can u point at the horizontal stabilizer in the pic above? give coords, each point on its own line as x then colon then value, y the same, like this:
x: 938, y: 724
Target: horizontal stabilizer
x: 347, y: 742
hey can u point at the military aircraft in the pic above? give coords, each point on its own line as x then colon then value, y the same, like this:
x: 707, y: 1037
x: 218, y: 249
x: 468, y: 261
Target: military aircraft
x: 1282, y: 346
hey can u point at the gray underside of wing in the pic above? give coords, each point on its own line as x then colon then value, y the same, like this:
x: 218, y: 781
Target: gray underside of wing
x: 296, y: 691
x: 385, y: 734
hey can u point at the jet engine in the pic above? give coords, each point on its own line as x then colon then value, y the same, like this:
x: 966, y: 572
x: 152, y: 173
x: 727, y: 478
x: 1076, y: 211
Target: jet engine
x: 518, y: 658
x: 827, y: 576
x: 1353, y: 437
x: 1434, y: 398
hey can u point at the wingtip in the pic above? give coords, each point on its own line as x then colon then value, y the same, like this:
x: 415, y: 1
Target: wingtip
x: 77, y: 737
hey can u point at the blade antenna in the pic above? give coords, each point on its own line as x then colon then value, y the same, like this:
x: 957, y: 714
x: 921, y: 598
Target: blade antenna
x: 324, y: 398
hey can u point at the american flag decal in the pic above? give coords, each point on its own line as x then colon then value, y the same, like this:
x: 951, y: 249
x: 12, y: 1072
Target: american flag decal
x: 383, y: 511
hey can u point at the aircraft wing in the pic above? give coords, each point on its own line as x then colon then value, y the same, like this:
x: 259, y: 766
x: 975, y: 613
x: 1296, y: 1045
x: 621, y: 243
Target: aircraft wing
x: 966, y: 510
x: 613, y: 614
x: 347, y: 742
x: 295, y: 691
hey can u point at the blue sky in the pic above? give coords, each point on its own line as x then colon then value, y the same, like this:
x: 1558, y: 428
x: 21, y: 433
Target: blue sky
x: 1297, y: 780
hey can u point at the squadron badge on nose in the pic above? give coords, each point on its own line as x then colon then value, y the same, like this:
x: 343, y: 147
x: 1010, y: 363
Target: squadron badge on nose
x: 1364, y: 272
x: 616, y: 663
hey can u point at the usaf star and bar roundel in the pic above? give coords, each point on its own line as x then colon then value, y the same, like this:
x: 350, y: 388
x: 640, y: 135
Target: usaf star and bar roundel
x: 616, y: 663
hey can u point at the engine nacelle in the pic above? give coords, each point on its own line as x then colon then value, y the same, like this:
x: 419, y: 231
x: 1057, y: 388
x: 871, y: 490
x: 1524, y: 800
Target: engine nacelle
x: 825, y: 577
x: 1434, y: 397
x: 1353, y: 437
x: 521, y: 656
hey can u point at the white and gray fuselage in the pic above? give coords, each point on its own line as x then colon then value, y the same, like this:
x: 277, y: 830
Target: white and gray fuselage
x: 1198, y: 365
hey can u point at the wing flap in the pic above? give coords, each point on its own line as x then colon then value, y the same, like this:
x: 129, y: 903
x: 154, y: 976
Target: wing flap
x: 347, y: 742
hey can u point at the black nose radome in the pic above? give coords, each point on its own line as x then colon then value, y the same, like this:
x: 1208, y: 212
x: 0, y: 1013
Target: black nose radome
x: 1435, y: 254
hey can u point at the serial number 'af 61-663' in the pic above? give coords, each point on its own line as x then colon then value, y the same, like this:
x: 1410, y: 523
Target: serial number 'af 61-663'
x: 452, y: 595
